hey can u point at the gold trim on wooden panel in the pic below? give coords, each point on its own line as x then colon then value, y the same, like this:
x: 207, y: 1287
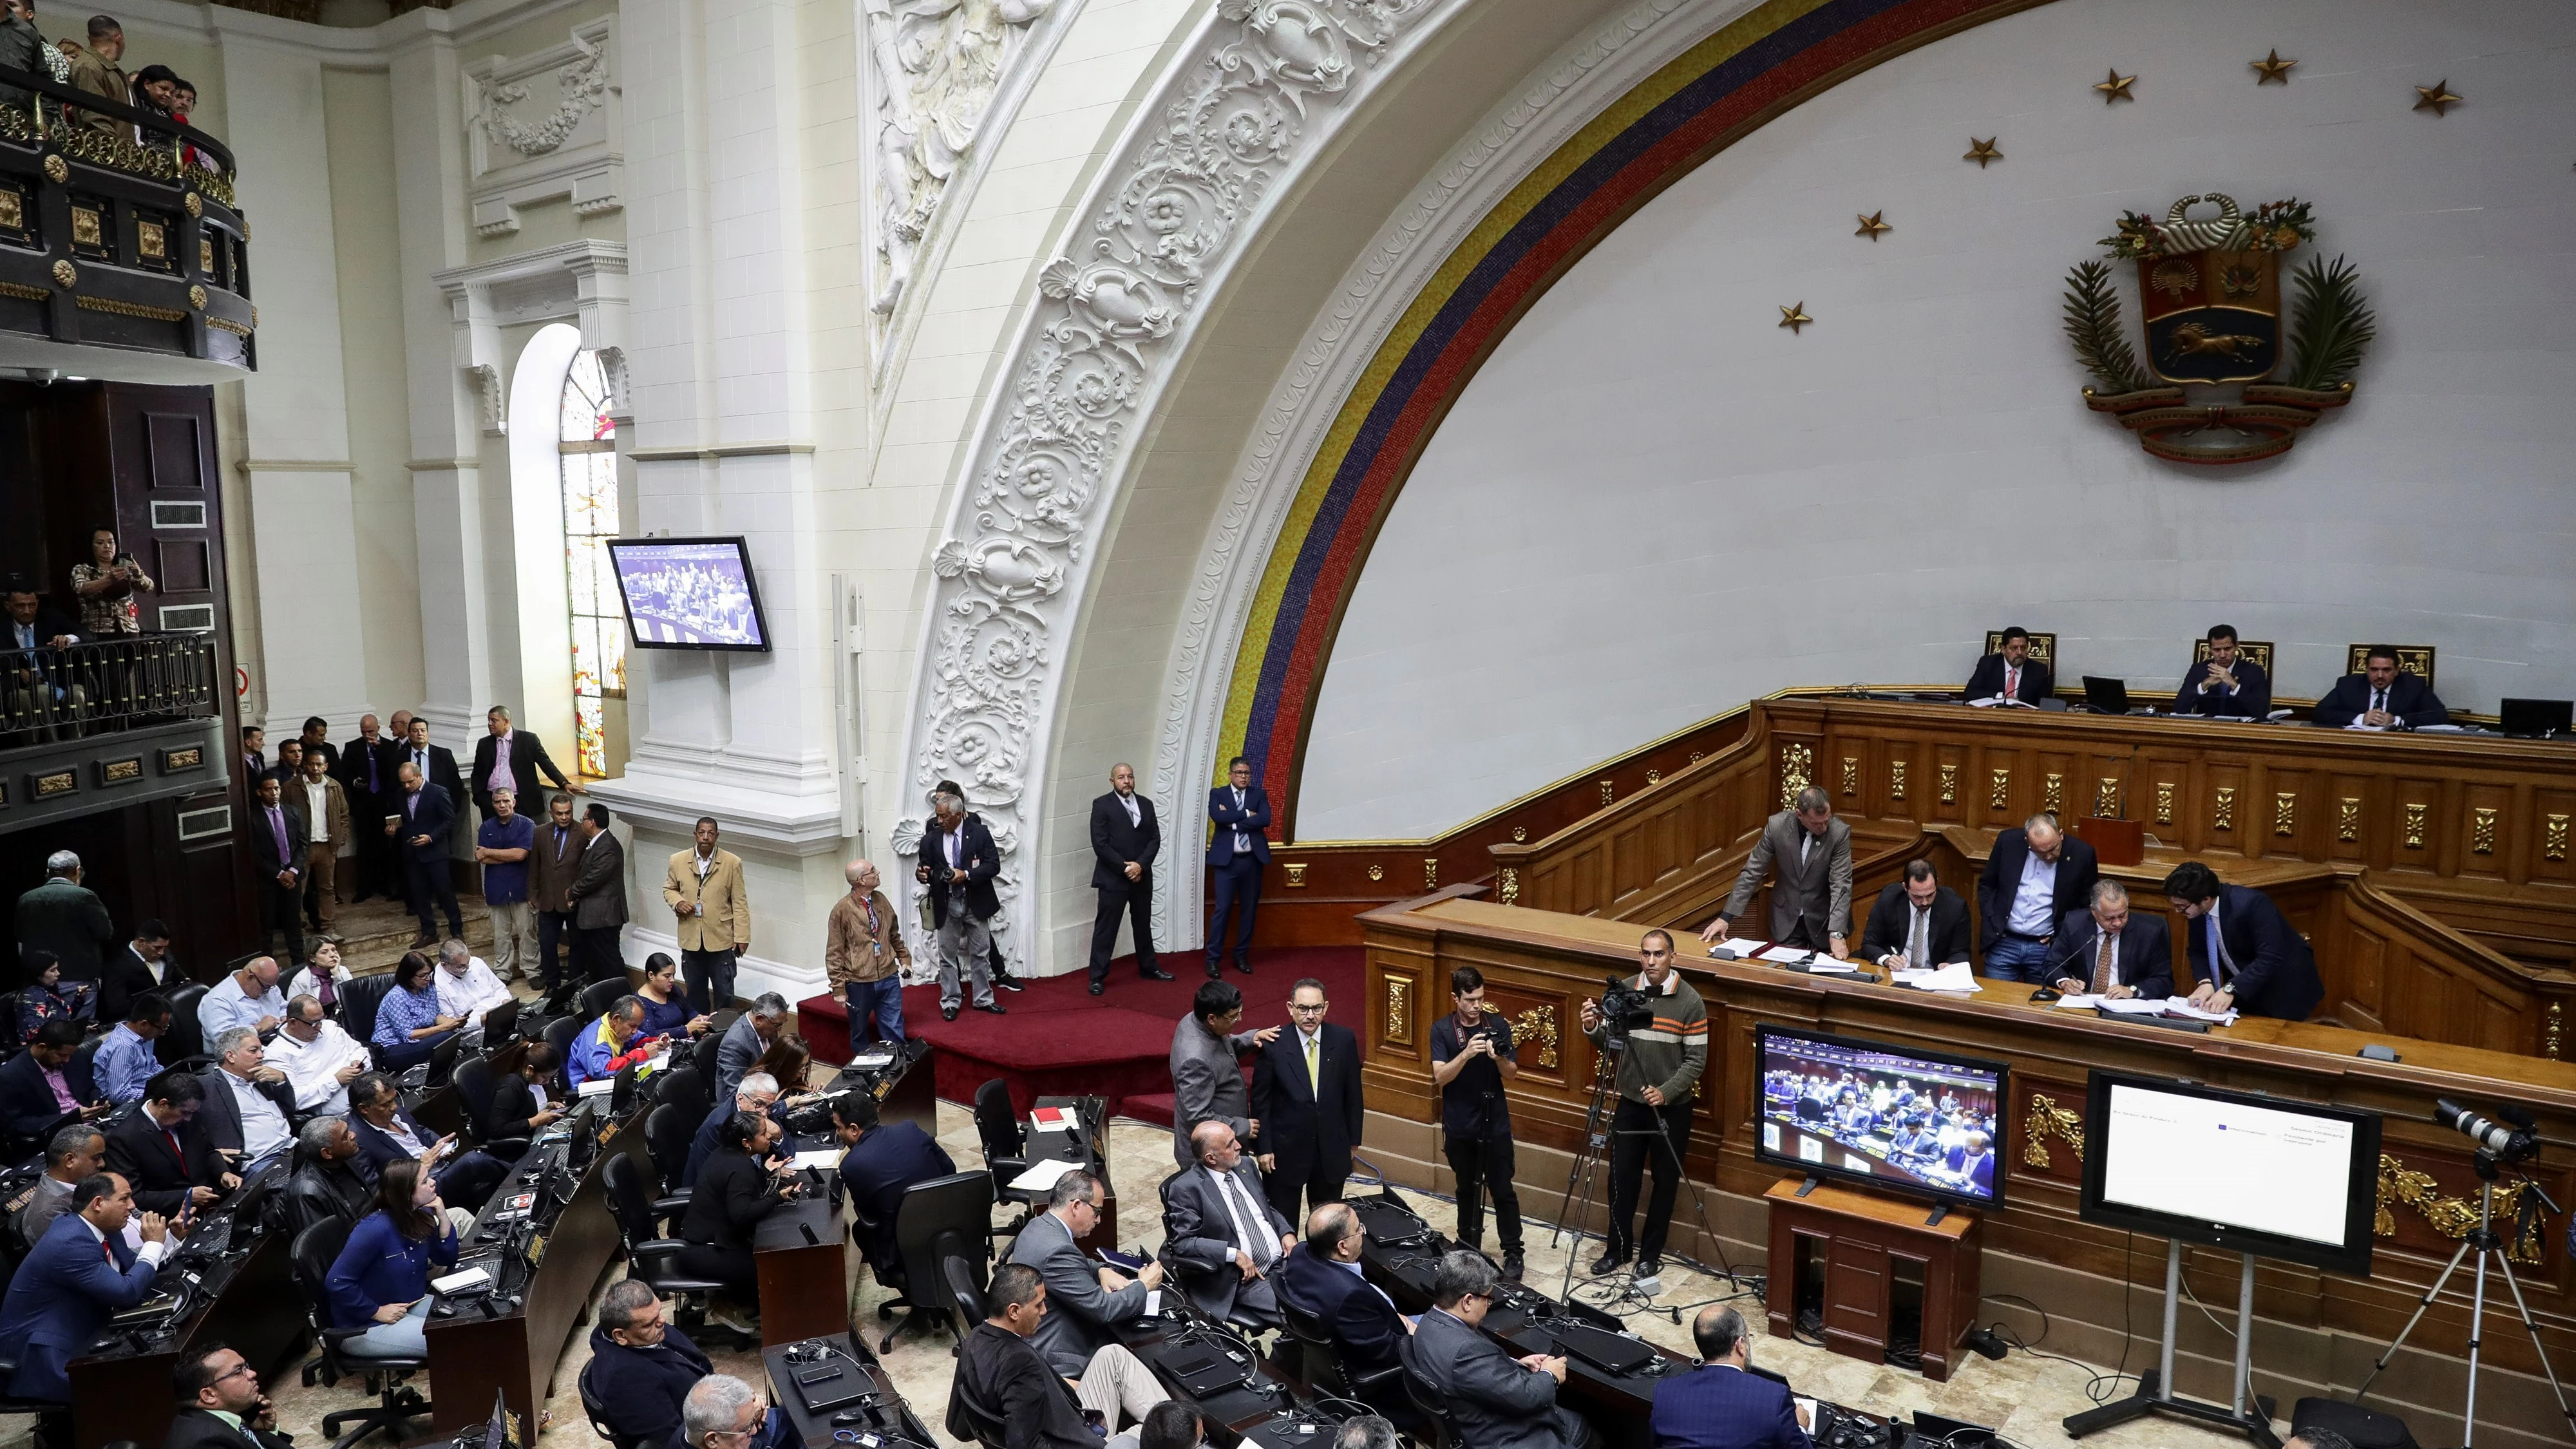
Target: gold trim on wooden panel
x: 1519, y: 833
x: 206, y: 255
x: 1605, y: 794
x: 2046, y: 1119
x: 2106, y: 797
x: 1511, y: 886
x: 120, y: 772
x: 2222, y: 816
x: 1377, y: 872
x: 2164, y: 802
x: 2482, y: 824
x: 1949, y: 784
x: 1896, y: 782
x: 1851, y: 774
x: 150, y: 240
x: 1296, y: 874
x: 2348, y: 818
x: 1654, y: 777
x: 1399, y: 1009
x: 2415, y: 826
x: 190, y: 758
x: 13, y: 213
x: 47, y: 786
x: 1999, y: 789
x: 1797, y: 772
x: 2553, y: 838
x: 1431, y: 872
x: 2285, y: 812
x: 1537, y: 1027
x: 85, y: 231
x: 2452, y: 1217
x: 2549, y: 1034
x: 2052, y: 795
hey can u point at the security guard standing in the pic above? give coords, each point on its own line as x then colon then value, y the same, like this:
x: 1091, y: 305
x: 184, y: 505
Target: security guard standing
x: 1471, y: 1058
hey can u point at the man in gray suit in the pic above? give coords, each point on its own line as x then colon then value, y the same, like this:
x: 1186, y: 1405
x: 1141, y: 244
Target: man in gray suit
x: 1811, y: 901
x: 1207, y: 1079
x: 1497, y: 1402
x: 751, y: 1034
x: 1223, y: 1233
x: 1083, y: 1297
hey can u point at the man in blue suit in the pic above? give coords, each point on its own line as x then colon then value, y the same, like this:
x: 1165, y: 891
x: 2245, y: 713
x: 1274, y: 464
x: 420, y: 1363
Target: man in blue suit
x: 2244, y: 953
x: 34, y: 1084
x: 1322, y: 1278
x: 77, y: 1276
x: 884, y: 1159
x: 1237, y: 851
x: 1721, y: 1406
x: 2226, y: 685
x: 2380, y: 698
x: 1973, y: 1162
x: 420, y: 843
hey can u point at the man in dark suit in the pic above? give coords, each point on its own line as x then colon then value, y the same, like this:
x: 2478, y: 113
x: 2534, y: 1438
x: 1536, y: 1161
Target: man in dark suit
x: 2381, y: 698
x: 436, y: 763
x: 1496, y: 1401
x: 1809, y: 850
x: 160, y: 1149
x: 316, y: 740
x: 73, y: 1280
x: 1322, y: 1279
x: 67, y: 918
x: 2109, y: 950
x: 641, y: 1365
x: 2226, y: 685
x: 1917, y: 922
x: 33, y: 683
x: 598, y: 895
x: 552, y: 863
x: 1720, y: 1405
x: 2244, y: 954
x: 1125, y: 838
x: 279, y: 846
x: 1004, y: 1381
x: 366, y: 774
x: 217, y: 1381
x: 427, y: 814
x: 884, y: 1159
x: 2034, y: 878
x: 1223, y: 1238
x: 1973, y: 1162
x: 1306, y: 1098
x: 34, y: 1082
x: 957, y: 865
x: 2012, y: 675
x: 1237, y: 851
x: 511, y: 757
x: 140, y: 966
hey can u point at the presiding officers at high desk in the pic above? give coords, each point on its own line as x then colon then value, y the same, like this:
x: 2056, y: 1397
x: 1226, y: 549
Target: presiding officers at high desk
x: 2244, y: 952
x: 2380, y: 698
x: 2226, y: 685
x: 2011, y: 675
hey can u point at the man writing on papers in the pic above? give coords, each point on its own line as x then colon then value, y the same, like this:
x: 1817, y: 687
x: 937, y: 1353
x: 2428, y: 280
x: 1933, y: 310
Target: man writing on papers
x: 2107, y: 951
x: 2380, y: 698
x: 2011, y: 675
x: 2245, y: 955
x: 1918, y: 922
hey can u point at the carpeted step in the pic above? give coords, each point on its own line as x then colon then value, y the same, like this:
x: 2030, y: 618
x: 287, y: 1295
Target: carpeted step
x: 824, y: 1022
x: 1154, y: 1108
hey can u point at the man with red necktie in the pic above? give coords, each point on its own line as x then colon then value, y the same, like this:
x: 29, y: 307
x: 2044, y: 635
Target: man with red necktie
x: 2011, y: 675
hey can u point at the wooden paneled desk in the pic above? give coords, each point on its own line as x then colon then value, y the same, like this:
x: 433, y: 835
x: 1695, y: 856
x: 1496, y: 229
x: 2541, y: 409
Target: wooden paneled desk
x: 888, y: 1417
x: 804, y: 1274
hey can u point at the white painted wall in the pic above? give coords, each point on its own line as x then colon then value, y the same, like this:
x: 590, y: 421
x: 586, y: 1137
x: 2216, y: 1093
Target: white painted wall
x: 1652, y: 503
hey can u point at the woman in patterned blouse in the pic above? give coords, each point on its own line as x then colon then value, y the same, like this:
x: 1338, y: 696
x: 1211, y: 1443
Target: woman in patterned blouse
x: 106, y: 587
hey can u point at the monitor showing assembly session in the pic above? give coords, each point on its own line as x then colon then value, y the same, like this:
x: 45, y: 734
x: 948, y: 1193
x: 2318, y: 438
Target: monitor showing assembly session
x: 2235, y: 1170
x: 689, y: 593
x: 1890, y: 1116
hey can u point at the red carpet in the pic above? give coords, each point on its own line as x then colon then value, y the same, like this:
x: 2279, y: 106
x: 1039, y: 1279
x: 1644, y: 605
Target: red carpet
x: 1058, y: 1039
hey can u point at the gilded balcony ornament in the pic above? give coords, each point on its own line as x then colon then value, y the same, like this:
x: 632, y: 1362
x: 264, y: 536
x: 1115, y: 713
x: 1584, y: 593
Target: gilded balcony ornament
x: 2415, y: 826
x: 2285, y: 812
x: 1399, y: 1009
x: 1654, y: 777
x: 57, y: 170
x: 2052, y: 794
x: 1431, y: 872
x: 2549, y: 1034
x: 1949, y: 784
x: 196, y: 204
x: 2553, y: 838
x: 2044, y: 1120
x: 1296, y: 870
x: 2106, y: 796
x: 197, y: 298
x: 1999, y: 789
x: 2482, y: 826
x: 2164, y: 802
x: 1605, y: 794
x: 2223, y: 815
x: 1896, y: 779
x: 1851, y: 774
x: 1797, y: 772
x: 1511, y: 886
x: 1377, y: 872
x: 66, y: 275
x: 1520, y: 833
x: 2348, y: 818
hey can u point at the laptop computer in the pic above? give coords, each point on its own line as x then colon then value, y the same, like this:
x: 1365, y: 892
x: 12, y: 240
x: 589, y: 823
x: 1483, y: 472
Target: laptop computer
x: 2106, y: 696
x: 2536, y: 719
x: 1612, y: 1353
x: 1202, y: 1372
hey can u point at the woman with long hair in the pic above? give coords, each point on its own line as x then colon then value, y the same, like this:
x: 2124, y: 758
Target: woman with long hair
x: 409, y: 1025
x: 380, y: 1281
x: 735, y: 1190
x: 666, y: 1002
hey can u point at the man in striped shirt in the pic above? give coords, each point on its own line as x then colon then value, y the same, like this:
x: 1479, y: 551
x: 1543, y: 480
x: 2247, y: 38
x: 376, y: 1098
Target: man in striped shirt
x: 1659, y: 1072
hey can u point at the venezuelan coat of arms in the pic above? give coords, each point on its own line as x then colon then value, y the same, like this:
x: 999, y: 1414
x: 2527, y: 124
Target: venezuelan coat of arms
x: 2222, y: 380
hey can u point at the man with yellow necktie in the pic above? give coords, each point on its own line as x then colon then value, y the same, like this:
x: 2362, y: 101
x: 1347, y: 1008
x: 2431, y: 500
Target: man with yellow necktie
x: 1306, y: 1106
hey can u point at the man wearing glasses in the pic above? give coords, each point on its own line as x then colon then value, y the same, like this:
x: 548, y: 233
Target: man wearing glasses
x: 220, y: 1404
x: 1306, y: 1100
x: 723, y: 1412
x: 1496, y: 1401
x: 1083, y: 1297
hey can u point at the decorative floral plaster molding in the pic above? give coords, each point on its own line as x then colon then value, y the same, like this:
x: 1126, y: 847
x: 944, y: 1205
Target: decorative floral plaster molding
x: 543, y: 125
x: 1266, y: 79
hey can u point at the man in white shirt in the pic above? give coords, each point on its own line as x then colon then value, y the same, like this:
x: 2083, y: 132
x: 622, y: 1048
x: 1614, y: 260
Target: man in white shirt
x: 248, y: 997
x: 1223, y: 1234
x: 467, y: 989
x: 243, y: 1072
x: 317, y: 1056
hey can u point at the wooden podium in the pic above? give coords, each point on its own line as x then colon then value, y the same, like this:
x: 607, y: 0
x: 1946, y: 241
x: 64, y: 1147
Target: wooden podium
x: 1868, y: 1243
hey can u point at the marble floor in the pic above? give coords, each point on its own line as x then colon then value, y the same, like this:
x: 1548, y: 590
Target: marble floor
x: 2023, y: 1395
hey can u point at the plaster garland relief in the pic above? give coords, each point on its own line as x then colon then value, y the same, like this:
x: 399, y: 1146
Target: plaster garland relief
x: 1164, y: 220
x: 544, y: 125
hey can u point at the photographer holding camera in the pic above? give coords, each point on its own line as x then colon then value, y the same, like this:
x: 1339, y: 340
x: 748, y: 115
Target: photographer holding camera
x: 1471, y: 1057
x: 1664, y: 1028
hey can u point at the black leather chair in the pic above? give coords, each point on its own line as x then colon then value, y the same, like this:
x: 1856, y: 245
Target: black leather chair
x: 933, y: 1223
x: 358, y: 1002
x: 682, y: 1086
x: 11, y: 1043
x: 1438, y: 1432
x: 595, y: 998
x: 997, y: 1124
x: 596, y: 1410
x: 668, y: 1131
x: 314, y: 1251
x: 84, y: 1056
x: 1320, y: 1370
x: 186, y: 1037
x: 475, y: 1080
x: 703, y: 1057
x: 561, y: 1031
x: 981, y: 1420
x: 651, y: 1256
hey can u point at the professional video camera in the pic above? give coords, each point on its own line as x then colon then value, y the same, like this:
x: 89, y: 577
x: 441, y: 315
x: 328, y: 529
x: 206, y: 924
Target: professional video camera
x: 1625, y: 1008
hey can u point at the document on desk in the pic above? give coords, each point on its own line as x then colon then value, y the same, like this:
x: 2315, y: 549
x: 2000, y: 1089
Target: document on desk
x: 1828, y: 966
x: 2126, y: 1005
x: 1955, y: 976
x: 2181, y: 1006
x: 471, y: 1278
x: 596, y: 1087
x: 1041, y: 1175
x: 1740, y: 946
x: 824, y: 1160
x: 1783, y: 953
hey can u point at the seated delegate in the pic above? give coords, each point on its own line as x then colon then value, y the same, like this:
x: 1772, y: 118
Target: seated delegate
x: 127, y: 1061
x: 641, y: 1365
x: 47, y: 997
x: 1720, y: 1405
x: 1224, y: 1237
x: 73, y: 1280
x: 2226, y: 685
x: 1086, y: 1296
x: 1322, y: 1278
x: 735, y: 1190
x: 160, y: 1148
x: 521, y: 1105
x: 666, y: 1002
x: 882, y: 1161
x: 1496, y: 1401
x: 1917, y: 922
x: 2380, y: 698
x: 324, y: 1182
x: 44, y: 1086
x: 409, y: 1023
x: 2011, y: 674
x: 388, y: 1133
x: 610, y: 1043
x: 2110, y: 950
x: 1004, y: 1377
x: 757, y: 1092
x: 249, y: 1108
x: 380, y: 1282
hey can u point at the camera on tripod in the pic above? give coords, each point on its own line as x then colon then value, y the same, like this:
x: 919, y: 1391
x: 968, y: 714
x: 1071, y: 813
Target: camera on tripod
x: 2514, y: 1139
x: 1624, y: 1008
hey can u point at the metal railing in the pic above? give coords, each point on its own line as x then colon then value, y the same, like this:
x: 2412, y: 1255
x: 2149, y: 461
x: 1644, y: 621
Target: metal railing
x: 48, y: 695
x: 179, y: 135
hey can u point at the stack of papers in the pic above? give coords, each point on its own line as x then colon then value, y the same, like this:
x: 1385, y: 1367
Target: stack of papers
x: 1041, y: 1175
x: 1828, y: 966
x: 824, y: 1160
x: 1953, y: 977
x: 1740, y: 946
x: 2181, y: 1006
x: 1783, y: 953
x: 2133, y: 1006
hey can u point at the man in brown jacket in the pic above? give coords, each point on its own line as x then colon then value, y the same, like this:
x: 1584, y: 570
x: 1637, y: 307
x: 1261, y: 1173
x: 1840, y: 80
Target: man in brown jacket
x: 94, y: 70
x: 551, y: 863
x: 864, y: 955
x: 325, y: 808
x: 703, y: 888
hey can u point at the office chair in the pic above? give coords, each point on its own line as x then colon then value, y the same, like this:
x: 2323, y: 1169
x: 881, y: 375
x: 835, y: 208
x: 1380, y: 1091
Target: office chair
x: 561, y: 1031
x: 667, y: 1134
x: 596, y: 1410
x: 1428, y: 1401
x: 184, y: 1044
x: 1321, y: 1370
x: 315, y: 1250
x: 683, y: 1086
x: 997, y: 1123
x: 928, y: 1235
x: 988, y: 1428
x: 596, y: 998
x: 649, y: 1255
x: 703, y: 1057
x: 475, y: 1080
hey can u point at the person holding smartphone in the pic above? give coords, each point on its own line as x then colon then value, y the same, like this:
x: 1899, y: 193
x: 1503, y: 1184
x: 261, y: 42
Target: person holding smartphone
x: 106, y: 586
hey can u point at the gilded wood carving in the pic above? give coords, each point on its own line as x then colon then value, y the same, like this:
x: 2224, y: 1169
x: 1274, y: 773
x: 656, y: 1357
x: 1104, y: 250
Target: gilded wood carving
x: 2452, y: 1217
x: 2044, y: 1120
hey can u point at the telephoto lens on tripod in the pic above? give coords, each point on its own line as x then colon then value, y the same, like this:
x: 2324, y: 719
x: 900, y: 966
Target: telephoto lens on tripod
x: 2511, y: 1140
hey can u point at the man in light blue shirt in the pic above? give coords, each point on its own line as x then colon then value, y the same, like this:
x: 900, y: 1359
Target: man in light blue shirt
x: 125, y: 1061
x: 249, y: 997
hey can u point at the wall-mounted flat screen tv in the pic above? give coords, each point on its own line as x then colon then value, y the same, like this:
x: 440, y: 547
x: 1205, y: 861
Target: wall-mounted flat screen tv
x: 689, y: 593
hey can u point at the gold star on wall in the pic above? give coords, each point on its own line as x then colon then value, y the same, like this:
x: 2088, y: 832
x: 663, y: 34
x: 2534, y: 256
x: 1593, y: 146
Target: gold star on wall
x: 1794, y: 316
x: 2115, y: 86
x: 1873, y: 224
x: 2436, y: 98
x: 1983, y: 151
x: 2273, y: 68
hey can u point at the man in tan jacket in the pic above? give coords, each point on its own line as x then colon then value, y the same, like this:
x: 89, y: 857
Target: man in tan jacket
x: 704, y: 890
x: 325, y: 808
x: 95, y: 70
x: 864, y: 956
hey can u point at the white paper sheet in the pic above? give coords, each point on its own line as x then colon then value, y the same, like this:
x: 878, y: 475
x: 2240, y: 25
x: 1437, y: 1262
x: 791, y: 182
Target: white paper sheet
x: 2181, y: 1006
x: 1041, y: 1175
x: 2132, y: 1006
x: 1783, y: 953
x: 460, y: 1282
x: 1952, y: 976
x: 824, y: 1160
x: 1740, y: 946
x: 1828, y: 966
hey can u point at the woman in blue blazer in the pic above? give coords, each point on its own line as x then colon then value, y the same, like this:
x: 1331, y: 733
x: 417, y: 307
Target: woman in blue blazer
x: 381, y: 1281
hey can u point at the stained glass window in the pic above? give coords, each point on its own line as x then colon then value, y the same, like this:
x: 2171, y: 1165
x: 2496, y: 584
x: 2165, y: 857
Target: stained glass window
x: 589, y: 448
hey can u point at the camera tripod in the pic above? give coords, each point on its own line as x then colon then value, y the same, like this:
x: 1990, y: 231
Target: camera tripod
x: 1584, y: 1172
x: 2484, y: 1241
